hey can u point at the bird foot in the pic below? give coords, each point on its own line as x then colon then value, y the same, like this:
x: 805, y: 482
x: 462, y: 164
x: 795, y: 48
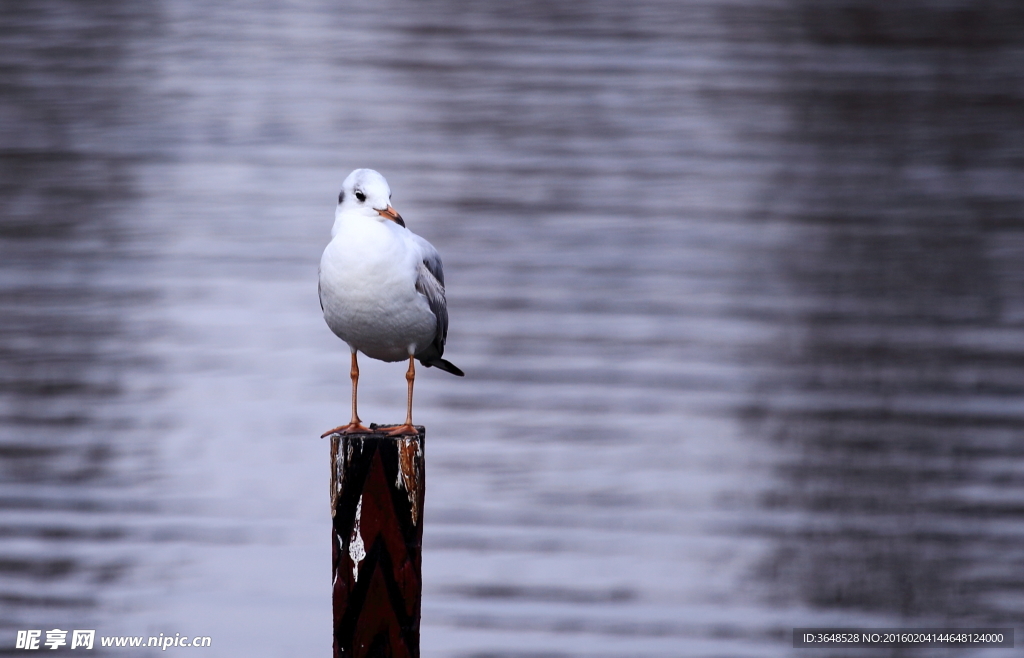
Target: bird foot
x: 401, y: 430
x: 352, y: 428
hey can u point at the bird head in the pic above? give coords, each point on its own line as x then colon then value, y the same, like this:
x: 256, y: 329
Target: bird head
x: 365, y: 192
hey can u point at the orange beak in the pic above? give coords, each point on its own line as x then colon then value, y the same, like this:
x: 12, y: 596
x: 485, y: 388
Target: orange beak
x: 391, y: 214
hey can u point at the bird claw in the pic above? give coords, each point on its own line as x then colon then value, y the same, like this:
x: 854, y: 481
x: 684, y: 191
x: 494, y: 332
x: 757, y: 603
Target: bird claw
x: 351, y: 428
x: 402, y: 430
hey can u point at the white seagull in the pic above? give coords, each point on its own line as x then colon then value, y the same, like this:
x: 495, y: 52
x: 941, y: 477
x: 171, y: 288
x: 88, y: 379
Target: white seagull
x: 382, y: 288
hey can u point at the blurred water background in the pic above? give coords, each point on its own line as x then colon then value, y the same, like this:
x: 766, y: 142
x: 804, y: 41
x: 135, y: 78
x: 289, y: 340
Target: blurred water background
x: 738, y: 287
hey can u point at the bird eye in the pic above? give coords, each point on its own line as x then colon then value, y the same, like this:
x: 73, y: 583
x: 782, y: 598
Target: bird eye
x: 360, y: 196
x: 341, y: 197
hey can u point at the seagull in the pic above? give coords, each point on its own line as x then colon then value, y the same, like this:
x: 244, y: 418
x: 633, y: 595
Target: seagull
x: 382, y: 289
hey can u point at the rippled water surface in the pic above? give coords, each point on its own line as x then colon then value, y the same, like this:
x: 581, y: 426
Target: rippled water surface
x: 738, y: 287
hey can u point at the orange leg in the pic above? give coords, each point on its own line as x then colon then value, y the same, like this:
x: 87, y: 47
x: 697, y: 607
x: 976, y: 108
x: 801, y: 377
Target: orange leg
x: 407, y: 428
x: 355, y: 426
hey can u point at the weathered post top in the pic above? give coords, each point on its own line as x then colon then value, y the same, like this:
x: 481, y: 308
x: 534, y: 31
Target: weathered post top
x: 377, y: 486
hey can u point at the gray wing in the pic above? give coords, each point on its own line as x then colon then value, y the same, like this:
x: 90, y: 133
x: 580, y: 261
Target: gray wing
x: 319, y: 289
x: 430, y: 283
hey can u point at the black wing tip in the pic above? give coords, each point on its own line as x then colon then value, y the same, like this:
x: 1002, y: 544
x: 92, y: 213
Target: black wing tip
x: 447, y: 366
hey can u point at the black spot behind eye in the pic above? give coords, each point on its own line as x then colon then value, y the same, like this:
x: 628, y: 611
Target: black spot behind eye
x: 360, y: 196
x: 341, y: 197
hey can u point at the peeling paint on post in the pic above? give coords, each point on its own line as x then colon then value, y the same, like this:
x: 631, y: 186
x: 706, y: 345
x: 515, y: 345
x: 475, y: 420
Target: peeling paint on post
x: 377, y: 485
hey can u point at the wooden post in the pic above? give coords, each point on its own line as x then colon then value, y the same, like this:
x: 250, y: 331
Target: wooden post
x: 377, y: 507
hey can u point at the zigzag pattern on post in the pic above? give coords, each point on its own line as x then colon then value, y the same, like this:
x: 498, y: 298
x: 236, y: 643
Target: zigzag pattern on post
x: 377, y: 502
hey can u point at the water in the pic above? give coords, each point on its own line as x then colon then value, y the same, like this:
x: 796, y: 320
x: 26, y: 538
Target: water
x: 738, y: 288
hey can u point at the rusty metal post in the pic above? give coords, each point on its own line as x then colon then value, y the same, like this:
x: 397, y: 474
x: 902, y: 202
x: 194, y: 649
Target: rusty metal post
x: 377, y: 509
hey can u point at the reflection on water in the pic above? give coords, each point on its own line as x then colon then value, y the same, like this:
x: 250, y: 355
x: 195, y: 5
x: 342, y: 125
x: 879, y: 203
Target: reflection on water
x: 737, y: 288
x: 901, y: 401
x: 69, y: 376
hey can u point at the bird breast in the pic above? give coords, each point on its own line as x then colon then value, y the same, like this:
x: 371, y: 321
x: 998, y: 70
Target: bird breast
x: 368, y: 290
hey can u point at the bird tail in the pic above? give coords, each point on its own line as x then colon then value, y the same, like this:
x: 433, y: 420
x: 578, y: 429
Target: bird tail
x: 447, y: 366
